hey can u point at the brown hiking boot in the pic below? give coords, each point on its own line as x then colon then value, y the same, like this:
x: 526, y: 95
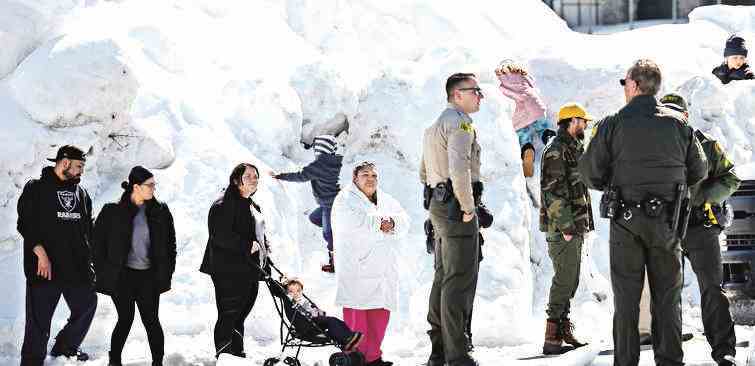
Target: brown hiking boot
x: 528, y: 162
x: 553, y: 344
x: 567, y: 333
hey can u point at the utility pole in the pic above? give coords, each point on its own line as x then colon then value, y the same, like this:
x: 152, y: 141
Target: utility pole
x: 675, y: 9
x: 631, y: 14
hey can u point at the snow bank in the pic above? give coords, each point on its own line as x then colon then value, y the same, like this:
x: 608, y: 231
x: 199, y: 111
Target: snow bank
x: 72, y: 82
x: 733, y: 19
x: 24, y: 25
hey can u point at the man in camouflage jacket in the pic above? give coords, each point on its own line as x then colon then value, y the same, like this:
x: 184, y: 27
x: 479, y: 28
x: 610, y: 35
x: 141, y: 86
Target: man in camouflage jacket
x: 565, y: 217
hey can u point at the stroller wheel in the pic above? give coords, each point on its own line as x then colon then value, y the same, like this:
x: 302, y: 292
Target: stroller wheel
x: 290, y: 361
x: 346, y: 359
x: 271, y: 361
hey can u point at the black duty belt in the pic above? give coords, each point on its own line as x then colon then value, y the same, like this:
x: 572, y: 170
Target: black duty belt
x: 652, y: 207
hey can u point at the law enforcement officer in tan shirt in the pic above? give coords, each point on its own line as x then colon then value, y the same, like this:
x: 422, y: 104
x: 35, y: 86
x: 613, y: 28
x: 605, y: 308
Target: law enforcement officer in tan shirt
x: 450, y: 166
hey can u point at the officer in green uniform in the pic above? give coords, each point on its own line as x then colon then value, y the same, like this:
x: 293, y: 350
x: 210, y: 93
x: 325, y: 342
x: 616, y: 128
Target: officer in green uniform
x: 450, y: 165
x: 710, y: 214
x: 565, y: 217
x: 643, y: 158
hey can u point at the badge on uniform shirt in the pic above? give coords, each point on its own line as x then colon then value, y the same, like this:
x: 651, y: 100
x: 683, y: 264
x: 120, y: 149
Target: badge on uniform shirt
x: 466, y: 127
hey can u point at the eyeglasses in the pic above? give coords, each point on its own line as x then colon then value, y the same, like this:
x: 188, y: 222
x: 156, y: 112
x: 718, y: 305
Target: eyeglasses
x: 477, y: 91
x: 150, y: 185
x: 623, y: 82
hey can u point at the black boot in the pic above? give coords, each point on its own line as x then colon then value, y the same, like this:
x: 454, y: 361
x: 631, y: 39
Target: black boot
x: 75, y: 353
x: 114, y: 360
x: 330, y: 267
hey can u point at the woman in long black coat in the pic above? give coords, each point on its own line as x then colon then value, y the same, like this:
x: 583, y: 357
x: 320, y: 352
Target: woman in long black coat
x: 236, y: 250
x: 134, y: 245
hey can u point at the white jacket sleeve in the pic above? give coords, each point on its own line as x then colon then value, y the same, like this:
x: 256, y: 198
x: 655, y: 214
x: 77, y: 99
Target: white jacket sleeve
x: 348, y: 216
x: 389, y: 207
x: 400, y: 218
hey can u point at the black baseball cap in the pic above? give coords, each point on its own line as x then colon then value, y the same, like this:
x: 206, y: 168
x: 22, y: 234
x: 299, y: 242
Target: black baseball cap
x: 69, y: 152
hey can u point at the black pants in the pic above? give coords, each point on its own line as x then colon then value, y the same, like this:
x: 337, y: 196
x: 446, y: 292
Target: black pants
x: 704, y: 253
x: 137, y: 288
x: 41, y: 300
x: 639, y: 244
x: 234, y: 296
x: 335, y: 328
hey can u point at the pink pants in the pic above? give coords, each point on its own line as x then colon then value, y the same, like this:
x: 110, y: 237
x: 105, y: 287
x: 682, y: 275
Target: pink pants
x: 372, y: 324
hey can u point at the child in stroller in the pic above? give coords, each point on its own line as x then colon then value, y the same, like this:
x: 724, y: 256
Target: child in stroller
x: 300, y: 310
x: 306, y: 325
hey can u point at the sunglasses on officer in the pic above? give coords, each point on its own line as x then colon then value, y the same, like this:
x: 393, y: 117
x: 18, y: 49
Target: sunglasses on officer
x: 476, y: 89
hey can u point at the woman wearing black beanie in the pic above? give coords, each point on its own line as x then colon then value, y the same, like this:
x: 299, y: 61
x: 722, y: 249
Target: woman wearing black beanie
x: 735, y: 65
x: 134, y: 246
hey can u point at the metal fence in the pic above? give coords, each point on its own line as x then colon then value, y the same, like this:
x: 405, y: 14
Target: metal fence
x: 585, y: 13
x: 578, y: 13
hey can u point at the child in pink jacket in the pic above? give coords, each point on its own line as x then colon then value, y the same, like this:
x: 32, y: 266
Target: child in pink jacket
x: 529, y: 116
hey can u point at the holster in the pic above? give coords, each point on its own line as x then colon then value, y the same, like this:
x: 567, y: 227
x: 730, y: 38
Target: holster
x: 681, y: 213
x: 429, y: 236
x: 719, y: 215
x: 443, y: 192
x: 609, y: 202
x: 427, y: 196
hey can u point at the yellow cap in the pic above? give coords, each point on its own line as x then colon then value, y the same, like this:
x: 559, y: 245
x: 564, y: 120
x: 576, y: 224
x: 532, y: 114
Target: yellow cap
x: 571, y: 110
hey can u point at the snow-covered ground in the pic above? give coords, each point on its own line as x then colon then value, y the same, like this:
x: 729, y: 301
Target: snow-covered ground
x: 192, y: 87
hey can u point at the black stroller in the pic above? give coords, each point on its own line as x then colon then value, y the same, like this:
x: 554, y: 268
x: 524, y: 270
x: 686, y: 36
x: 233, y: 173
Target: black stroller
x: 305, y: 334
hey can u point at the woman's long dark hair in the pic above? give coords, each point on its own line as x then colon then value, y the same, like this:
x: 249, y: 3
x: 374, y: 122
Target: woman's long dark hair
x: 235, y: 179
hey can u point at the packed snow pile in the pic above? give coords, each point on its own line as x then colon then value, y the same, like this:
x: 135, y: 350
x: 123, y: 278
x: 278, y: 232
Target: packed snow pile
x: 25, y: 25
x: 232, y: 81
x: 93, y: 82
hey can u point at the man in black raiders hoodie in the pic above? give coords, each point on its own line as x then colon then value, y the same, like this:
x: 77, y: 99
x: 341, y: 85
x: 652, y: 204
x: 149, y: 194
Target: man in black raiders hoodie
x: 55, y: 220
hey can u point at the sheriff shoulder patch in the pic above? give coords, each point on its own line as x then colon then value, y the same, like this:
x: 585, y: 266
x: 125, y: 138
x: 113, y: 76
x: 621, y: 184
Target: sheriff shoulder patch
x: 466, y: 127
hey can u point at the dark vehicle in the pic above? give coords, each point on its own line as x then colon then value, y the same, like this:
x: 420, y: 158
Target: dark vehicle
x: 738, y: 254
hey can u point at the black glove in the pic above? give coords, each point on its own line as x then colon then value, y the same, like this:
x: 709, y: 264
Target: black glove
x: 742, y: 73
x: 430, y: 240
x: 547, y: 134
x: 484, y: 216
x: 722, y: 73
x: 477, y: 188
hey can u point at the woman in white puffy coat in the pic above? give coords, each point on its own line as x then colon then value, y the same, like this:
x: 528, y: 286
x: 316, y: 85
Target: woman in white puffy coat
x: 367, y: 225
